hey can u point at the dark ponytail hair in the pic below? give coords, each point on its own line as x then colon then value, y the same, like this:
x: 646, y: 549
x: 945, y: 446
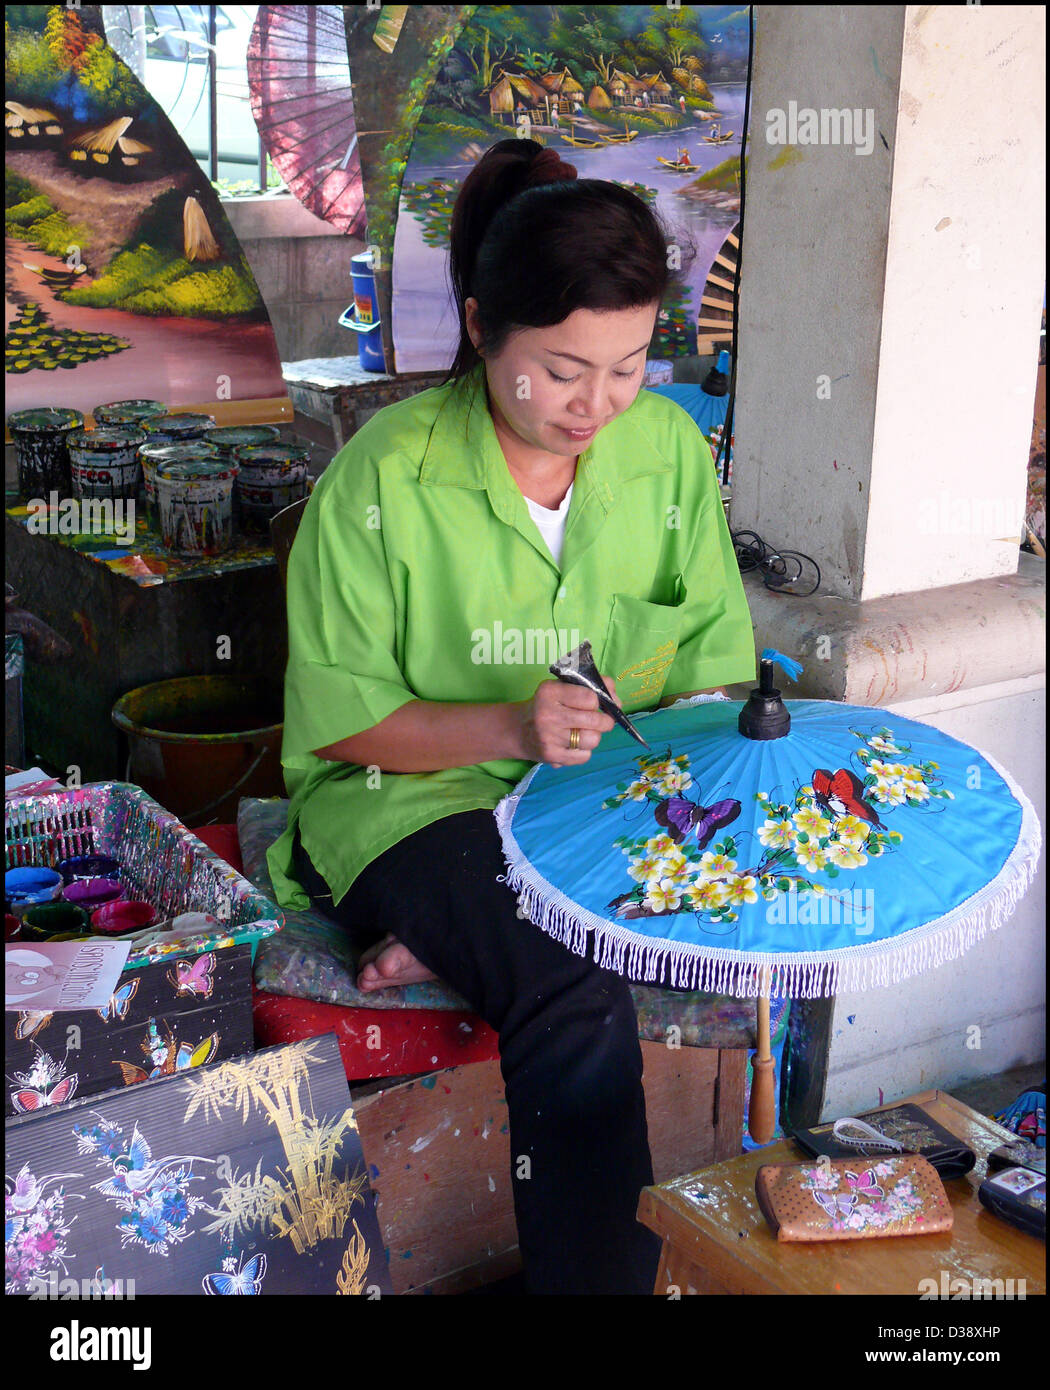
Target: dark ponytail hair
x: 532, y: 243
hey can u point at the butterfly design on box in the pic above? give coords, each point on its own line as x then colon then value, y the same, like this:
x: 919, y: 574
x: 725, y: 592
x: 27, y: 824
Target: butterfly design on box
x: 119, y: 1002
x: 237, y: 1279
x: 168, y: 1055
x: 194, y: 978
x: 46, y: 1083
x: 842, y: 1203
x: 31, y: 1021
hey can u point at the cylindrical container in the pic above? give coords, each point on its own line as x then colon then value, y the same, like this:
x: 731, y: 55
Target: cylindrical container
x: 178, y: 428
x: 91, y: 893
x: 105, y: 462
x: 199, y: 743
x: 230, y: 437
x: 272, y: 477
x: 12, y: 927
x: 30, y: 887
x: 195, y: 501
x: 55, y: 919
x: 88, y: 866
x: 120, y: 918
x: 365, y: 319
x: 128, y: 412
x: 41, y: 449
x: 154, y: 456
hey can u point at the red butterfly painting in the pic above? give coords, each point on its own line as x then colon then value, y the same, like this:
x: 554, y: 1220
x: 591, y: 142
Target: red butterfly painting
x: 842, y: 794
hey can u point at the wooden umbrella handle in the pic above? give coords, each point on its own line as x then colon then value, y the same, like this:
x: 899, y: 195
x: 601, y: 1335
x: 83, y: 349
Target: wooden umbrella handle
x: 761, y: 1112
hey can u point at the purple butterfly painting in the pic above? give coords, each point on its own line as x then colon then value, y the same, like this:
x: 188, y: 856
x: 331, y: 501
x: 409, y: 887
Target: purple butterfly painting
x: 681, y: 817
x: 835, y: 1203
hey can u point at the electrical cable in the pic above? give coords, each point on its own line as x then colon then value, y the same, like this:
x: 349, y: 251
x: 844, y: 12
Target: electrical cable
x: 781, y: 569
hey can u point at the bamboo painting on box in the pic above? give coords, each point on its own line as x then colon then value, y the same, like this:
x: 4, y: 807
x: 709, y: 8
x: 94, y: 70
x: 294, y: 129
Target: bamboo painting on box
x: 243, y: 1177
x: 646, y: 96
x: 123, y: 276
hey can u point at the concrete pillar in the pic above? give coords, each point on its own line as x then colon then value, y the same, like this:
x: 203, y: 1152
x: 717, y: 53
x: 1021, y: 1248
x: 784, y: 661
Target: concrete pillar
x: 891, y: 290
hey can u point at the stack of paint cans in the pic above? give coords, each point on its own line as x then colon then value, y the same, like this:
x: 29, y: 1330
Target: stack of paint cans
x: 104, y: 462
x: 195, y: 502
x: 154, y: 456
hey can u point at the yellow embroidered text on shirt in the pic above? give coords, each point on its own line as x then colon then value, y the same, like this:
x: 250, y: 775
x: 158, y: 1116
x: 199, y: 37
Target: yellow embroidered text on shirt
x: 651, y: 672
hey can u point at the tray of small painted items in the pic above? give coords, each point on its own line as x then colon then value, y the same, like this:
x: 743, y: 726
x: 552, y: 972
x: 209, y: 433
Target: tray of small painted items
x: 107, y: 859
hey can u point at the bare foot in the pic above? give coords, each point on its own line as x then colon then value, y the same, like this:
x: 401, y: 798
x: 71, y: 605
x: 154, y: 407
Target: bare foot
x: 388, y: 964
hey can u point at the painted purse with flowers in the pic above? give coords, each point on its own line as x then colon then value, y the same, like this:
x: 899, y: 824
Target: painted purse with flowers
x: 849, y: 1199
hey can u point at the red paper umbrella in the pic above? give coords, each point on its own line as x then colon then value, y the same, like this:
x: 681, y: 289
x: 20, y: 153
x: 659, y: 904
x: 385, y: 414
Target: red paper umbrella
x: 299, y: 82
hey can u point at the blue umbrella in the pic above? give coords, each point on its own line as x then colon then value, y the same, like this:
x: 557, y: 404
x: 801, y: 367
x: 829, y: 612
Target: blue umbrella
x: 800, y: 848
x: 707, y: 404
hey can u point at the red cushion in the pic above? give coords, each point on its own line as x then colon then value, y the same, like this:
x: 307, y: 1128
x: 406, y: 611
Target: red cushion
x: 223, y: 840
x: 378, y: 1042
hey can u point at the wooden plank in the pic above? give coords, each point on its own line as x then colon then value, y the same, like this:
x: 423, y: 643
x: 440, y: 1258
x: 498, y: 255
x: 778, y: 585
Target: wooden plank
x: 438, y: 1149
x: 726, y: 265
x: 714, y: 279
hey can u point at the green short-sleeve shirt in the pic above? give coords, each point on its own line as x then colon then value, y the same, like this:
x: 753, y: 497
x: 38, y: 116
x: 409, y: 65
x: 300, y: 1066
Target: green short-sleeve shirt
x: 417, y: 573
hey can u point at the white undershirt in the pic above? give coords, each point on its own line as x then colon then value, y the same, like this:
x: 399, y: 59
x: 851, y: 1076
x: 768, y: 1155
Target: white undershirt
x: 551, y: 523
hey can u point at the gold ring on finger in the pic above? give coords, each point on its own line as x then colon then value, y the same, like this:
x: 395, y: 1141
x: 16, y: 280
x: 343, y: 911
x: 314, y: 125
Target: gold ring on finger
x: 574, y: 738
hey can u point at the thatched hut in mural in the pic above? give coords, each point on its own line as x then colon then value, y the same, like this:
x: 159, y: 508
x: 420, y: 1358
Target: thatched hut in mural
x: 617, y: 87
x: 563, y: 89
x: 598, y: 100
x: 512, y: 89
x: 95, y: 151
x: 659, y: 88
x: 198, y: 243
x: 30, y: 127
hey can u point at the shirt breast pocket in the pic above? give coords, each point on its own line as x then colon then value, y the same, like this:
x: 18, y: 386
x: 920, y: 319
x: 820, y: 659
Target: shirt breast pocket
x: 641, y: 642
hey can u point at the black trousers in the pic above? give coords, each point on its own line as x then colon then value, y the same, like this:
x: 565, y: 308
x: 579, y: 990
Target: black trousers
x: 568, y: 1040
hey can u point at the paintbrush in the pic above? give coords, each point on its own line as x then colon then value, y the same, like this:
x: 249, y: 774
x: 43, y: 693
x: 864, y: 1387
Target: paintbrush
x: 577, y: 668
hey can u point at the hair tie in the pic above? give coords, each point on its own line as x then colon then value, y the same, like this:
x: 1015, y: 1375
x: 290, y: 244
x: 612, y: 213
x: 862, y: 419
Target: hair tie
x: 549, y: 167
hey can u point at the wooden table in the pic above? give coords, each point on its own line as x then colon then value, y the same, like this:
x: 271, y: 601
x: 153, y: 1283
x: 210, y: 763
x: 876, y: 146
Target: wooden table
x: 716, y: 1240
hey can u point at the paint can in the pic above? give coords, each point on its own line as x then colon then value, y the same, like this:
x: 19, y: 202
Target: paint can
x: 30, y: 887
x: 363, y: 315
x: 55, y: 921
x: 121, y: 918
x: 154, y: 456
x: 105, y: 462
x: 91, y: 893
x: 227, y: 438
x: 128, y: 412
x: 178, y: 428
x: 195, y: 501
x: 42, y: 451
x: 200, y: 743
x: 272, y: 477
x: 88, y: 866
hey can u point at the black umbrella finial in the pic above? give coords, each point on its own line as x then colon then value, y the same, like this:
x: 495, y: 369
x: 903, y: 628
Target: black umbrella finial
x: 764, y: 716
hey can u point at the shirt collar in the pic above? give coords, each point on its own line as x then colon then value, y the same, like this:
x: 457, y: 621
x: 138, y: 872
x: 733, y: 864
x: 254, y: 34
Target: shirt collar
x: 464, y: 451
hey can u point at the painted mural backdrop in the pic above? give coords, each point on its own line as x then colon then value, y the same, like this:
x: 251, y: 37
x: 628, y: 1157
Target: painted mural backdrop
x: 123, y: 277
x: 648, y: 97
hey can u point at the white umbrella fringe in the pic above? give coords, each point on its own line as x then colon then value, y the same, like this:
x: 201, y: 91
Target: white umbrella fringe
x: 801, y: 975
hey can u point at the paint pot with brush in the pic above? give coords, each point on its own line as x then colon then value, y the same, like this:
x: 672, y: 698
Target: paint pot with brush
x: 122, y: 918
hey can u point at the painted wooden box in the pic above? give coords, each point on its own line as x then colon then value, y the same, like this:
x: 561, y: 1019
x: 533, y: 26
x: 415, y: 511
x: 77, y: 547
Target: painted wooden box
x: 244, y: 1177
x: 179, y: 1013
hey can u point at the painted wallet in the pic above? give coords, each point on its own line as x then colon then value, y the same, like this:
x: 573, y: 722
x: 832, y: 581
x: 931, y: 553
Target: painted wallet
x: 843, y: 1199
x: 908, y: 1127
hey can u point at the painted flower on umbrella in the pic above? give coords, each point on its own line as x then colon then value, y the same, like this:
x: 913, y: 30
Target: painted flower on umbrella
x: 829, y: 826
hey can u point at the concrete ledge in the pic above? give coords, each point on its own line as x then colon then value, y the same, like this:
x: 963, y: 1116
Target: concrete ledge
x: 275, y: 215
x: 920, y: 646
